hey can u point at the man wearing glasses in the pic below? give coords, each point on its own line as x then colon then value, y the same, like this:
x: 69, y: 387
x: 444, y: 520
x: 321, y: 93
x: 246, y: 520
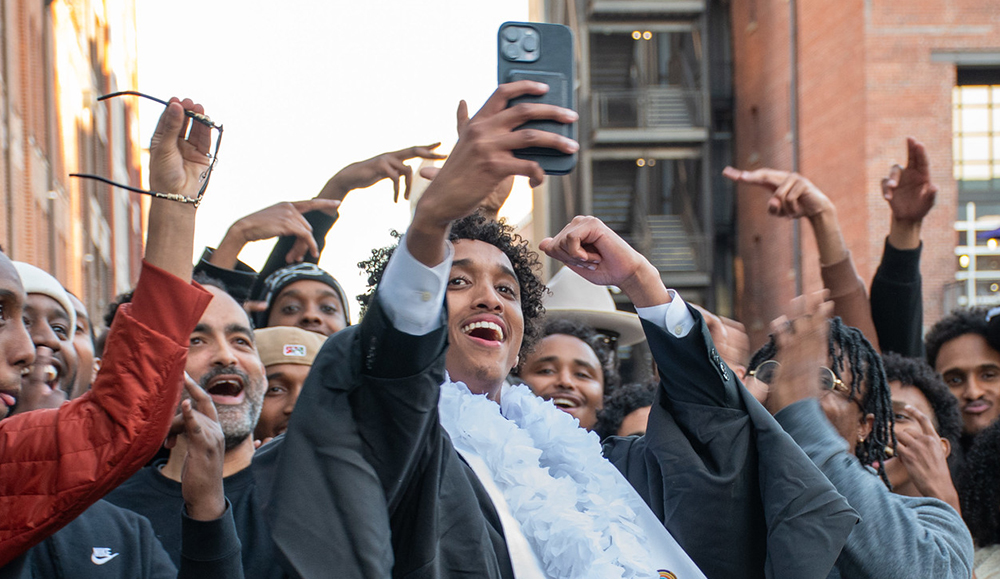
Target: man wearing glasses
x: 825, y: 385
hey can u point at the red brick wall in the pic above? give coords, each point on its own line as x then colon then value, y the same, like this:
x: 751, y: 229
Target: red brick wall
x: 866, y: 82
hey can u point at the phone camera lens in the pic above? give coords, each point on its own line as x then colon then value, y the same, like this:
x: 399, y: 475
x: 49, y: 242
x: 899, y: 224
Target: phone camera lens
x: 530, y: 43
x: 511, y: 33
x: 511, y: 51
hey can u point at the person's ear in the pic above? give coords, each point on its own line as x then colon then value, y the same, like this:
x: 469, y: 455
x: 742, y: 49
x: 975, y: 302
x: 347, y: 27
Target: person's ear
x: 865, y: 427
x: 946, y: 445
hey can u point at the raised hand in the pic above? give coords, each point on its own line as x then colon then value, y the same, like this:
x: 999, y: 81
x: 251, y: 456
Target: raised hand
x: 910, y: 194
x: 178, y: 164
x: 909, y: 190
x: 385, y: 166
x: 793, y: 195
x: 278, y: 220
x: 602, y: 257
x: 201, y: 473
x: 481, y: 160
x: 801, y: 339
x: 925, y: 455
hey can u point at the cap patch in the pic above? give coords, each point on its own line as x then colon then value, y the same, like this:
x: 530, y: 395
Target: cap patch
x: 295, y: 350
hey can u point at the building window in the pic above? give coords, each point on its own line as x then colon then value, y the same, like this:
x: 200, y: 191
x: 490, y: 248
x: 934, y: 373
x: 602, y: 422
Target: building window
x: 976, y: 157
x: 976, y: 132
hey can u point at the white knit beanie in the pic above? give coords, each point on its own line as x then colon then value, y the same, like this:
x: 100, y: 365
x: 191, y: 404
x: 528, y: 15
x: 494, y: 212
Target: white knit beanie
x: 38, y: 281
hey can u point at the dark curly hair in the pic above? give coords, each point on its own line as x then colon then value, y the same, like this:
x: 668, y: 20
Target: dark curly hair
x: 959, y: 322
x: 979, y: 487
x: 848, y: 346
x: 625, y: 400
x: 597, y: 342
x: 915, y: 372
x: 498, y: 234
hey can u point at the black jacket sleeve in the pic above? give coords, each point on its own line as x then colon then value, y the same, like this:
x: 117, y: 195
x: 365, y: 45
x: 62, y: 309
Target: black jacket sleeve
x: 897, y: 302
x: 238, y: 281
x: 321, y: 224
x: 732, y: 488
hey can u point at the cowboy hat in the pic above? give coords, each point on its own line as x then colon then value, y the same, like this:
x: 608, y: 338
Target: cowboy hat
x: 575, y: 298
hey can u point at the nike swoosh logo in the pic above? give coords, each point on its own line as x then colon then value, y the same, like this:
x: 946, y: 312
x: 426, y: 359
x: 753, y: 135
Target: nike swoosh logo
x: 102, y: 559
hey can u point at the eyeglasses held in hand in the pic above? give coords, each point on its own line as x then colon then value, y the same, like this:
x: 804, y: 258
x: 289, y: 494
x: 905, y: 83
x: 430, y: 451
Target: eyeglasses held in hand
x: 205, y: 175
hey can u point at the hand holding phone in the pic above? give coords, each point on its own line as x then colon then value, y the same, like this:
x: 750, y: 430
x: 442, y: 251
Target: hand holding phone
x: 541, y: 52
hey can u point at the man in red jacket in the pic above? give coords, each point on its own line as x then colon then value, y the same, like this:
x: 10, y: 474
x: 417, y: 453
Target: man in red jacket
x: 55, y: 463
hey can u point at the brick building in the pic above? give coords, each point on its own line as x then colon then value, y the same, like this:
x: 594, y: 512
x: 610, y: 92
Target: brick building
x: 832, y: 89
x: 56, y: 58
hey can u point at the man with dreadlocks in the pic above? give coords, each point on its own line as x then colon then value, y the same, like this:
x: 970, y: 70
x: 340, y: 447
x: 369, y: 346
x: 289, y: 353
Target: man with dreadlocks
x: 480, y: 479
x: 828, y: 390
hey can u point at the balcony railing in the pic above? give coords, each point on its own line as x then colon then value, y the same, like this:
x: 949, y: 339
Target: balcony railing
x: 629, y: 7
x: 657, y: 107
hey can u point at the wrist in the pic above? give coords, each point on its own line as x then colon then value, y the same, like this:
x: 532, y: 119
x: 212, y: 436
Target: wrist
x: 426, y: 240
x: 904, y: 234
x: 208, y: 509
x: 334, y: 189
x: 645, y: 287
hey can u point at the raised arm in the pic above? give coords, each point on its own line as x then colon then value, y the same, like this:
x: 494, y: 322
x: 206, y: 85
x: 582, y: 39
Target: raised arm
x: 370, y: 434
x: 711, y: 453
x: 793, y: 196
x: 677, y: 337
x: 896, y: 292
x: 55, y: 463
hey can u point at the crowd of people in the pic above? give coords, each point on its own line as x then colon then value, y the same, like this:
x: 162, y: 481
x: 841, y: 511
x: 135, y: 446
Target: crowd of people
x: 474, y: 423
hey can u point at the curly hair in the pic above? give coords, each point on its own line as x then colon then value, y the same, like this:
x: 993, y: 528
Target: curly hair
x: 498, y: 234
x: 597, y: 342
x: 979, y: 487
x: 847, y: 344
x: 959, y: 322
x: 915, y: 372
x: 624, y: 401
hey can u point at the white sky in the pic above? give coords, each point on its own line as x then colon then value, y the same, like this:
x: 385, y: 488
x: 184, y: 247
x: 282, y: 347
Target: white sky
x: 307, y: 87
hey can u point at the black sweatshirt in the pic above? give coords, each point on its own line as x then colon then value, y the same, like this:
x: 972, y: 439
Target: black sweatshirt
x: 159, y: 499
x: 106, y: 541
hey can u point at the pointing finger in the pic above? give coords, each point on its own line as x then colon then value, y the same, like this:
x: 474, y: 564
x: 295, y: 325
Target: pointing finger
x: 202, y: 401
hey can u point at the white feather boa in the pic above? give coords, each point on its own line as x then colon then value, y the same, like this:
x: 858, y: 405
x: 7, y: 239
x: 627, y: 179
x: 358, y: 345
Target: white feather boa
x: 567, y: 498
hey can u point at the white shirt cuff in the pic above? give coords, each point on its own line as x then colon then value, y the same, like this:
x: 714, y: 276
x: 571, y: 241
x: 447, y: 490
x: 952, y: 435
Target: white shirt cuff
x: 411, y: 293
x: 673, y: 317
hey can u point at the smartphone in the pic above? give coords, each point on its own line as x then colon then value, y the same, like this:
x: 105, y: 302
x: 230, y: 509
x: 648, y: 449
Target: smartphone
x: 543, y: 53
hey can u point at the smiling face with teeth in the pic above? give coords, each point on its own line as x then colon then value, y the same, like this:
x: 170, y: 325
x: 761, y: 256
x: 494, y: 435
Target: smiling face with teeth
x: 485, y: 322
x: 567, y: 371
x: 223, y: 359
x: 48, y: 324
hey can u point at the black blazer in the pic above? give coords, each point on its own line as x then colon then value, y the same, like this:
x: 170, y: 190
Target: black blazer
x: 368, y: 483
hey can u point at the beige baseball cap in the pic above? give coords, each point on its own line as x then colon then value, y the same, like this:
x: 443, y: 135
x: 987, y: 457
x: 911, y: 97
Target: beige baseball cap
x: 288, y: 345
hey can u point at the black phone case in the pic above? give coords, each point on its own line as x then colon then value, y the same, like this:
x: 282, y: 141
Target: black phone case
x: 555, y: 67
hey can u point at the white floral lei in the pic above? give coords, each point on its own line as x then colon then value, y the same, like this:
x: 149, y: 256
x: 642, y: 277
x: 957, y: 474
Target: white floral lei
x: 559, y: 487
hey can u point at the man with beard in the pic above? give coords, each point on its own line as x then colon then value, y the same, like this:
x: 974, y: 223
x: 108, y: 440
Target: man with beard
x: 223, y: 360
